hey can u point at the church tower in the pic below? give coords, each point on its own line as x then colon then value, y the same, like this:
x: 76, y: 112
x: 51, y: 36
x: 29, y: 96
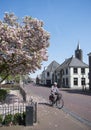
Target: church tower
x: 79, y: 53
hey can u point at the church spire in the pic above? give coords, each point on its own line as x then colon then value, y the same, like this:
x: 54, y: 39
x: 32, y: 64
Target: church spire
x: 78, y: 46
x: 78, y: 52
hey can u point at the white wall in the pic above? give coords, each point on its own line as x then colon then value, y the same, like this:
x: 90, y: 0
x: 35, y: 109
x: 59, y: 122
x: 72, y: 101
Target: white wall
x: 79, y: 76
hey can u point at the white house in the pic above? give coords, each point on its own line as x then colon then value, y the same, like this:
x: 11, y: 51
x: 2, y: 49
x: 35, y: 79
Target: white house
x: 46, y: 76
x: 72, y: 73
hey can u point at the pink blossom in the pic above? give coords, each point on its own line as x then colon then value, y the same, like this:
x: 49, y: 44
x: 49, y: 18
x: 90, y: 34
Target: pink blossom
x: 24, y: 46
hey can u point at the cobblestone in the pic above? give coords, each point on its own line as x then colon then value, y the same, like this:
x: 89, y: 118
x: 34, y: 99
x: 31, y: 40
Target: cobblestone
x: 49, y: 118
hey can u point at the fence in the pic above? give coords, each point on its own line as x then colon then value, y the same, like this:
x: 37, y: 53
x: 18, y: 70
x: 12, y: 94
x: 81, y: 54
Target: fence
x: 6, y: 109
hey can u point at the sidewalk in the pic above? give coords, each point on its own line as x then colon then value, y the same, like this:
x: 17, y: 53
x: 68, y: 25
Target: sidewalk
x: 49, y: 118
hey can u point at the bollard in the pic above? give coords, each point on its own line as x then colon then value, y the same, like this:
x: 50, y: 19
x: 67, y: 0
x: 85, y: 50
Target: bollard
x: 34, y: 104
x: 35, y: 112
x: 29, y: 115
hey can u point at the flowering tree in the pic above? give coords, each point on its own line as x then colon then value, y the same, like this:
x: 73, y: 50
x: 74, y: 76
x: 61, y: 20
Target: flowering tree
x: 23, y: 45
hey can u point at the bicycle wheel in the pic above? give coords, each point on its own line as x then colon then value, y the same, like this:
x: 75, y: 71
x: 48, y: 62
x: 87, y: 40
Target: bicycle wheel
x: 60, y: 103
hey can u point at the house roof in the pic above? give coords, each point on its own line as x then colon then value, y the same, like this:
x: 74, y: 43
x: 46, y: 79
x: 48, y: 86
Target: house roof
x: 89, y: 54
x: 52, y: 66
x: 75, y: 62
x: 72, y: 62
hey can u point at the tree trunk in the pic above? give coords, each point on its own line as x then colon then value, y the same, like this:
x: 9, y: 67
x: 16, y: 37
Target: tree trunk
x: 4, y: 78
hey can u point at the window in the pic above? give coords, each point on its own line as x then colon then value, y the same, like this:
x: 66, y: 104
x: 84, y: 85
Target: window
x: 66, y: 71
x: 83, y: 70
x: 63, y: 82
x: 75, y: 81
x: 75, y: 70
x: 82, y: 81
x: 63, y: 72
x: 48, y: 74
x: 58, y: 75
x: 67, y: 81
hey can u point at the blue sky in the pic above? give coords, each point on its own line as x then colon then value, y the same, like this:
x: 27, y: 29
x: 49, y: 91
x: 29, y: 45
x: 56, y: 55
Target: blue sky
x: 67, y: 21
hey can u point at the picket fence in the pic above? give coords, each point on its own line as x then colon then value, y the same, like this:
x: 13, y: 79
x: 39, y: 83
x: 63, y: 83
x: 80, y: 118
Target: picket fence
x: 6, y: 109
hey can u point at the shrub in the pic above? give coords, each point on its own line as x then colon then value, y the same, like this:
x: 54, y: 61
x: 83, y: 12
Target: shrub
x: 8, y: 119
x: 1, y: 119
x: 3, y: 94
x: 24, y: 118
x: 17, y: 118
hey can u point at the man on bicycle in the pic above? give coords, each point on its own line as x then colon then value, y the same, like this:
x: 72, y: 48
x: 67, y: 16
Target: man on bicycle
x: 55, y: 92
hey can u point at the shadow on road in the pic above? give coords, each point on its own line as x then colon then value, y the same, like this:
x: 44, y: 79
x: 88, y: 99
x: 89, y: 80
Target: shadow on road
x: 53, y: 106
x: 44, y: 103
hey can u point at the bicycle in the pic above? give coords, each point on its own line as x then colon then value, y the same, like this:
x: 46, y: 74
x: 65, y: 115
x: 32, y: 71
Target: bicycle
x: 58, y: 101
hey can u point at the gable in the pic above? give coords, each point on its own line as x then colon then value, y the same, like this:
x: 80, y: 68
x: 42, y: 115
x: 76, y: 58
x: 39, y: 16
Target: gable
x: 51, y: 67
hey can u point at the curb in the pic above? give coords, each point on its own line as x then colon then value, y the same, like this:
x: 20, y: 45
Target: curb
x: 74, y: 115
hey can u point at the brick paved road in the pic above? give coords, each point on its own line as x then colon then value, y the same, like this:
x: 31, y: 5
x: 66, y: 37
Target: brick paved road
x: 49, y: 118
x: 75, y: 101
x: 78, y: 102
